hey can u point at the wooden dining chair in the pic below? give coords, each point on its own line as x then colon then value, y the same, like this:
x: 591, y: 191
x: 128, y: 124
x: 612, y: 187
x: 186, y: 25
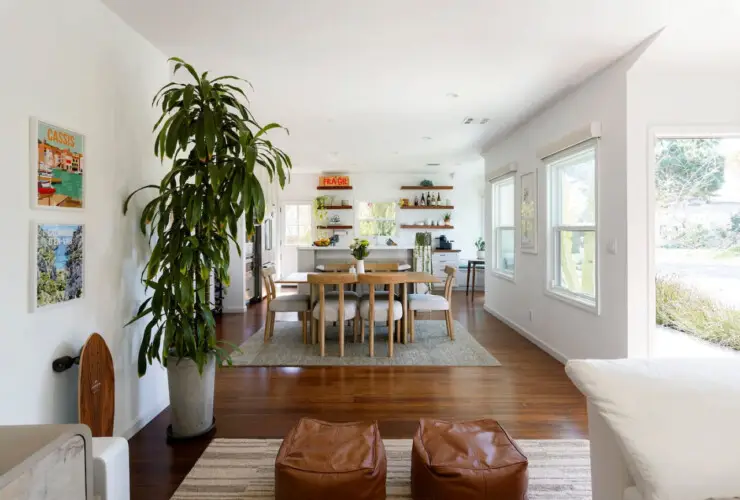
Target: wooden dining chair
x: 381, y: 267
x: 338, y: 309
x: 429, y: 302
x: 389, y: 310
x: 300, y: 303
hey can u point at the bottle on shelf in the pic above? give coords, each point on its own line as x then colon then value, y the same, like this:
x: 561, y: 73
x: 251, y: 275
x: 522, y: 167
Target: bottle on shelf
x: 416, y: 200
x: 439, y: 198
x: 422, y: 202
x: 429, y: 199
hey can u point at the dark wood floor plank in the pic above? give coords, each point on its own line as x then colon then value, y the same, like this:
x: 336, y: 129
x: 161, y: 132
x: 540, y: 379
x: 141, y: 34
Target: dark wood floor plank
x: 530, y: 395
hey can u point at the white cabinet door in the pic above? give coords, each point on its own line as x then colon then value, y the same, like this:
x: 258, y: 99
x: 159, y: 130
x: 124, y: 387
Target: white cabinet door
x: 295, y: 231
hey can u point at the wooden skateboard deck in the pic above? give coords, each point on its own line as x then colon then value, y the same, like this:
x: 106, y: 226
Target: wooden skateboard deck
x: 96, y: 387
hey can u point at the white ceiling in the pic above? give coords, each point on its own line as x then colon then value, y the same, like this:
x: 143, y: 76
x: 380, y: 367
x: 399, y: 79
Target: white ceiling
x: 361, y: 83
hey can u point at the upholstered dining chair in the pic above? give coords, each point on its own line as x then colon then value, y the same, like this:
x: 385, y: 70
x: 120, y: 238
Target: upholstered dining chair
x: 429, y: 302
x: 389, y: 310
x: 337, y: 308
x: 300, y: 303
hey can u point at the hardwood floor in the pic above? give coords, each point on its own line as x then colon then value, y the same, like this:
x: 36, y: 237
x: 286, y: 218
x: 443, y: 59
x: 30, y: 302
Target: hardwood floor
x: 529, y: 394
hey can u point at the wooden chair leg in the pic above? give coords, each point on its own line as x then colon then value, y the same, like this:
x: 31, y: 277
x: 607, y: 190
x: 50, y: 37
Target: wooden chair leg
x: 304, y: 326
x: 362, y: 330
x: 398, y: 331
x: 272, y: 325
x: 390, y: 332
x: 411, y: 325
x: 467, y: 280
x: 450, y: 327
x: 356, y: 326
x: 371, y: 334
x: 267, y: 326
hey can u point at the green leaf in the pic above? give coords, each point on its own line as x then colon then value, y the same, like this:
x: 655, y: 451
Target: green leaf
x: 128, y: 198
x: 190, y: 69
x: 144, y: 348
x: 210, y: 130
x: 187, y: 96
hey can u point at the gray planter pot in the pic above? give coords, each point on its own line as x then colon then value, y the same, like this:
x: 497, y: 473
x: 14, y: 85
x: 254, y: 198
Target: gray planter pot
x: 191, y: 396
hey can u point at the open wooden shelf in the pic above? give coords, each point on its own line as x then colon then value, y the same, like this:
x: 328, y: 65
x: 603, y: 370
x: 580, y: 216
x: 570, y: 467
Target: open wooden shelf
x: 427, y: 188
x: 334, y: 227
x: 431, y: 207
x: 334, y: 188
x: 414, y: 226
x: 338, y: 207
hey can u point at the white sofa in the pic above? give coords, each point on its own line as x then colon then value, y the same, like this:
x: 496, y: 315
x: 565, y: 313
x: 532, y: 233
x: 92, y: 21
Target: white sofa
x: 664, y: 429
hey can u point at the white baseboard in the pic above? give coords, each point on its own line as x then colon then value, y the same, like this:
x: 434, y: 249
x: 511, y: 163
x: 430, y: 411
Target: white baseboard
x: 528, y: 335
x: 235, y: 310
x: 143, y: 420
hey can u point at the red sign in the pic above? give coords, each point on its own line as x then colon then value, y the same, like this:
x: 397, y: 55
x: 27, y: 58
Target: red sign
x: 334, y: 180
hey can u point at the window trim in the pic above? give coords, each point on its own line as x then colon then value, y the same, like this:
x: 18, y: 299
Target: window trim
x: 495, y: 229
x: 592, y: 305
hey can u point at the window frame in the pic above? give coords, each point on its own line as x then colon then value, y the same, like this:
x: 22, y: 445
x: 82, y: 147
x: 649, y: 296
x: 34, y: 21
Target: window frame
x: 360, y: 219
x: 496, y: 229
x: 553, y: 286
x: 284, y: 235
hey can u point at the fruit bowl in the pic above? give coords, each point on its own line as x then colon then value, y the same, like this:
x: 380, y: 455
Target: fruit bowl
x: 323, y: 242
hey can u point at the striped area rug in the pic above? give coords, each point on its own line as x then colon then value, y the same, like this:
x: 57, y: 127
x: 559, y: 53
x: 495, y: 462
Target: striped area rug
x: 244, y: 469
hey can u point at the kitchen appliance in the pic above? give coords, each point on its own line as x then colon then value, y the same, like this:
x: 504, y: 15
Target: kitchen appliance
x: 443, y: 243
x: 263, y: 256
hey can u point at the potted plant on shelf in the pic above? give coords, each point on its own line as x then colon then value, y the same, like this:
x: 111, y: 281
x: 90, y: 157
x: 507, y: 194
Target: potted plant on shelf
x: 319, y: 208
x: 359, y: 251
x: 215, y: 145
x: 447, y: 217
x: 480, y: 244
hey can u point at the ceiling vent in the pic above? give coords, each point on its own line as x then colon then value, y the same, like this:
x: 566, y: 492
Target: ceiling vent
x: 433, y: 164
x: 468, y: 120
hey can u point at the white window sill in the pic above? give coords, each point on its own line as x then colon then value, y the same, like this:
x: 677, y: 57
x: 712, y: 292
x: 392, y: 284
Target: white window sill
x: 500, y: 274
x: 574, y: 300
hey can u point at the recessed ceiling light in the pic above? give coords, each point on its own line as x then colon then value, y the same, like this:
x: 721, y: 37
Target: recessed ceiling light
x: 395, y: 152
x: 426, y: 138
x: 334, y: 153
x: 452, y: 95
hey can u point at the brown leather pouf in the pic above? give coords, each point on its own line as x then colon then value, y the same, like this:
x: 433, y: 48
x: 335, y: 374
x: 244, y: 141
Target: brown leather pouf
x: 323, y: 460
x: 471, y: 460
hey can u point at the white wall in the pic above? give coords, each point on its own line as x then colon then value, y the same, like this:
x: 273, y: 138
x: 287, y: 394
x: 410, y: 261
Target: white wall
x: 466, y: 197
x: 76, y: 64
x: 567, y: 331
x: 694, y: 94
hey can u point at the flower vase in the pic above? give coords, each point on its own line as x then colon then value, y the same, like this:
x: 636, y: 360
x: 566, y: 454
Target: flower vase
x: 360, y: 266
x: 481, y: 254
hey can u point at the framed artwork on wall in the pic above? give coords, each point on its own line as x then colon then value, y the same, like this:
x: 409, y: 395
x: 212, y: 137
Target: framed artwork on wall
x: 57, y: 167
x: 528, y: 213
x: 58, y: 263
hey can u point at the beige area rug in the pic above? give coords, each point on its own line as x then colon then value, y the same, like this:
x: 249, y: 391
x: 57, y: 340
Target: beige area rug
x: 432, y: 347
x: 244, y: 469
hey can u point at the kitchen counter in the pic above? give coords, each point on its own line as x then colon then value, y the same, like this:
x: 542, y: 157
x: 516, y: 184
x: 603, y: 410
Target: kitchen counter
x: 346, y: 249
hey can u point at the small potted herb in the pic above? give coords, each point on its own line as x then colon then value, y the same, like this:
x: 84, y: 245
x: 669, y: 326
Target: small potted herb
x: 447, y: 217
x: 359, y: 251
x: 480, y: 244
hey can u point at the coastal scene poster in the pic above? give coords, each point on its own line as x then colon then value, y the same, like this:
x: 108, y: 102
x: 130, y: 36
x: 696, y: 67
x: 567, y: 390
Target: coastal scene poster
x: 59, y: 263
x: 59, y: 166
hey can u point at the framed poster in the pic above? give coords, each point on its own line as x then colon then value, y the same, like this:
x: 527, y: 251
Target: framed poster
x: 57, y: 167
x: 528, y: 215
x: 59, y: 263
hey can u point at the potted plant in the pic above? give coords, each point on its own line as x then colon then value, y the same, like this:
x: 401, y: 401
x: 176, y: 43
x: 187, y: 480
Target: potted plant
x: 319, y: 208
x: 359, y: 251
x: 447, y: 217
x: 215, y: 145
x: 480, y: 244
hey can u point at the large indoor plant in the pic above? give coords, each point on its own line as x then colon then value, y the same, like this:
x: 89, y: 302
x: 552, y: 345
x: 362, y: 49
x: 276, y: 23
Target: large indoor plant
x: 216, y: 147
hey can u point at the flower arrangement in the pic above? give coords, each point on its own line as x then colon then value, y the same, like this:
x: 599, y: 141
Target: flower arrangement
x: 358, y: 248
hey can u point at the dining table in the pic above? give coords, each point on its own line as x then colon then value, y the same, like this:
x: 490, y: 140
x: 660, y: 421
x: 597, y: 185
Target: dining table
x: 411, y: 278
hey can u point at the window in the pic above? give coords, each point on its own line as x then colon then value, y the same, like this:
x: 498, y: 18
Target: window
x: 377, y: 219
x: 504, y: 232
x: 298, y: 224
x: 572, y: 236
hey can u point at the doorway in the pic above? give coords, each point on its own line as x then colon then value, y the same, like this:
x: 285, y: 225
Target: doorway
x: 696, y: 246
x: 295, y: 231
